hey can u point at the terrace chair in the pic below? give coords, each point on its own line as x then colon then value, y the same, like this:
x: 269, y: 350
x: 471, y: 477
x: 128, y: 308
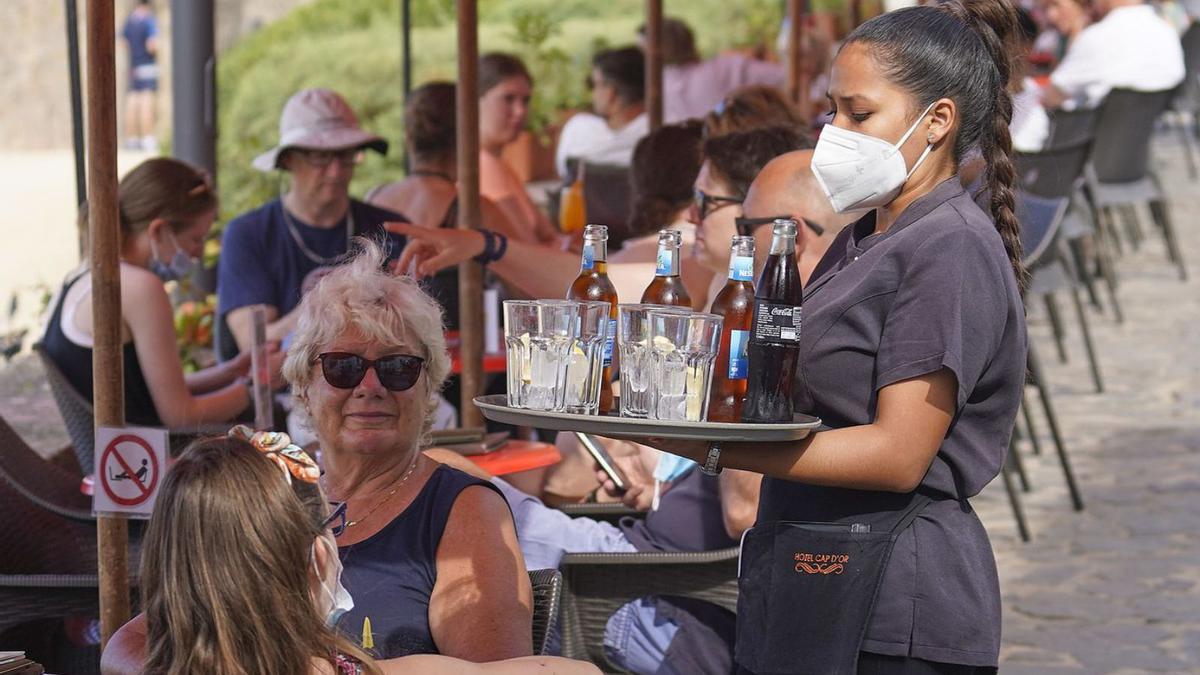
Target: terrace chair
x: 1186, y: 103
x: 79, y: 416
x: 43, y: 483
x: 597, y: 584
x: 547, y: 598
x: 1119, y: 177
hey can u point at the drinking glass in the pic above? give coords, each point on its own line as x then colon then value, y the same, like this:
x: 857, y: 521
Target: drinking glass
x: 633, y: 332
x: 585, y: 362
x: 681, y: 352
x: 538, y: 335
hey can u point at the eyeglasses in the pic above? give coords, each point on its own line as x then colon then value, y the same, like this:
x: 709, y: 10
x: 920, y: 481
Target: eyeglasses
x: 323, y: 158
x: 747, y: 226
x: 706, y: 203
x: 396, y: 372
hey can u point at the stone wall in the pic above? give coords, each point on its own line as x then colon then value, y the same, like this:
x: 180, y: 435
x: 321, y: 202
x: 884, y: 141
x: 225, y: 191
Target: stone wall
x: 33, y: 55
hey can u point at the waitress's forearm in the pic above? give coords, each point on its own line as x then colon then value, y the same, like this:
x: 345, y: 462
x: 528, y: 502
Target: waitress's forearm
x: 862, y: 458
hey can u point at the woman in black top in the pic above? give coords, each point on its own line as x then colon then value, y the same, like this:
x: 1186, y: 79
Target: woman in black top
x: 913, y: 351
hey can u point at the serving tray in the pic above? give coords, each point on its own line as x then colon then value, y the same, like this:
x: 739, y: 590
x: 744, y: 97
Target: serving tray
x: 495, y: 407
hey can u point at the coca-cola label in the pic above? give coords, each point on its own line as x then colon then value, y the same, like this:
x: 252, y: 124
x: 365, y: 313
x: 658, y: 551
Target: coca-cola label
x: 589, y: 257
x: 776, y: 323
x: 739, y: 362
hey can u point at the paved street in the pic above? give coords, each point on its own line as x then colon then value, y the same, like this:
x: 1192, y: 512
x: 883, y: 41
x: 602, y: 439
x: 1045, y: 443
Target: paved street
x: 1116, y: 588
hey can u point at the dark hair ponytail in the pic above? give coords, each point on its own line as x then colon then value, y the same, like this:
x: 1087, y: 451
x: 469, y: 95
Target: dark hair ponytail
x: 927, y: 51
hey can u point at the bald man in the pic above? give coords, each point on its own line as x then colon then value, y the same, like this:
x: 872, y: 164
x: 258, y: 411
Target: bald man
x: 787, y: 188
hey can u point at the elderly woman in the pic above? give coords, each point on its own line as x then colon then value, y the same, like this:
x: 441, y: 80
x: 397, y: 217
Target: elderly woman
x: 430, y: 553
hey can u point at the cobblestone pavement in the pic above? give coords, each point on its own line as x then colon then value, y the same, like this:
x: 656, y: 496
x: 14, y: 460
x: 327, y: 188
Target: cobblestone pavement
x: 1115, y: 588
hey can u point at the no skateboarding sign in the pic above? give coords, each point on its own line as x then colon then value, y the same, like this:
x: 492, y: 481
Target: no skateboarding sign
x: 129, y: 464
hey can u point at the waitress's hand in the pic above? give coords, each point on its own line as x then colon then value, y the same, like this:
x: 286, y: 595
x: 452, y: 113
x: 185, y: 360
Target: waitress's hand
x: 429, y: 251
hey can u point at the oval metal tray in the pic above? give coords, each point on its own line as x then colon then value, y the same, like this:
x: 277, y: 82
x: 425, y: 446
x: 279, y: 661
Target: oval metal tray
x: 495, y: 407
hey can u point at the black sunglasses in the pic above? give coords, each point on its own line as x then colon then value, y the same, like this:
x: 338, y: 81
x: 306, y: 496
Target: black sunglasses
x: 706, y: 203
x: 396, y: 372
x: 337, y: 519
x: 747, y: 226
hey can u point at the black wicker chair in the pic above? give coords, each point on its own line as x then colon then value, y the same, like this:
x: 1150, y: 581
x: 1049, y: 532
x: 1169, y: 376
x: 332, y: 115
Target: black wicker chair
x: 47, y: 485
x: 597, y: 584
x: 547, y: 598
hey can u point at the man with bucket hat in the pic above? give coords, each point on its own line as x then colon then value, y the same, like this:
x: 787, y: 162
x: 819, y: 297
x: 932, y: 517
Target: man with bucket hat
x: 269, y: 255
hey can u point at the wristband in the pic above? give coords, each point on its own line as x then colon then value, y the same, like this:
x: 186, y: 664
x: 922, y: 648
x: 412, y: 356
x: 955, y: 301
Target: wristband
x: 494, y: 247
x: 712, y: 466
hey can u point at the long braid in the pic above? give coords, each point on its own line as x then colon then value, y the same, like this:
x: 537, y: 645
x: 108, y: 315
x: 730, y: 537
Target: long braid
x: 1001, y: 176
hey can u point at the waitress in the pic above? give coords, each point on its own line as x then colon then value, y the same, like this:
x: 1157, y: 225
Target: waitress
x: 867, y: 556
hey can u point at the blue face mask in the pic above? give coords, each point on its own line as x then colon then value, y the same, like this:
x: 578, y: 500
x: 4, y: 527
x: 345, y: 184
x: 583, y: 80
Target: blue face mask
x: 180, y: 266
x: 671, y: 467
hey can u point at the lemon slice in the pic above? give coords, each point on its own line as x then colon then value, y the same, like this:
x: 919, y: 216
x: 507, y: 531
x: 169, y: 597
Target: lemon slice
x: 662, y: 344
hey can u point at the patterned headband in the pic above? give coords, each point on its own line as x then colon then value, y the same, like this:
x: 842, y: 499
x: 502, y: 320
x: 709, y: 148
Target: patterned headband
x: 278, y: 447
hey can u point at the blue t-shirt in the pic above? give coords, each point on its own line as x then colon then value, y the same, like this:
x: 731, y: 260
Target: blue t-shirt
x: 138, y: 30
x: 261, y: 263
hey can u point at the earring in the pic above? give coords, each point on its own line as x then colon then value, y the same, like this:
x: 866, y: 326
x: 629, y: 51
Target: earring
x: 929, y: 139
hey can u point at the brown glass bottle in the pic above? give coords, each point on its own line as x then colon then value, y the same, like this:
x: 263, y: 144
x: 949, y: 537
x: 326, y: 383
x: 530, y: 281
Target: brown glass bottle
x: 774, y: 351
x: 667, y: 287
x: 593, y: 284
x: 735, y: 304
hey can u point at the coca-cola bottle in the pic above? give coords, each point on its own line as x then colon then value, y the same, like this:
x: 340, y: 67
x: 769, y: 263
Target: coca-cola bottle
x: 667, y: 287
x: 735, y: 304
x: 593, y: 284
x: 774, y: 351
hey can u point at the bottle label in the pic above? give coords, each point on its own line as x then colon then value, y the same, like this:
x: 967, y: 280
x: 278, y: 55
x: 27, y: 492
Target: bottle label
x: 739, y: 342
x: 589, y: 257
x: 662, y: 266
x: 741, y: 268
x: 609, y: 342
x: 776, y: 323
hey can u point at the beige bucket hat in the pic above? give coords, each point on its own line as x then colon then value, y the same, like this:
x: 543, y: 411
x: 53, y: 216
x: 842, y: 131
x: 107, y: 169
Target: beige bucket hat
x: 319, y: 119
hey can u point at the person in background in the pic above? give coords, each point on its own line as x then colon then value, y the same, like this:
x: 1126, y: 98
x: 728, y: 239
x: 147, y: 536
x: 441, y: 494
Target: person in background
x: 505, y: 88
x: 269, y: 253
x: 618, y: 121
x: 141, y: 36
x: 1030, y: 123
x: 664, y: 168
x: 1068, y: 18
x: 754, y: 107
x: 1130, y: 47
x: 247, y: 509
x: 166, y: 210
x: 692, y: 86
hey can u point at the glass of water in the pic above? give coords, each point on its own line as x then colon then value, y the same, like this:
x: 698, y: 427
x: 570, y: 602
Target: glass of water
x: 538, y: 336
x: 633, y: 337
x: 585, y: 362
x: 681, y: 352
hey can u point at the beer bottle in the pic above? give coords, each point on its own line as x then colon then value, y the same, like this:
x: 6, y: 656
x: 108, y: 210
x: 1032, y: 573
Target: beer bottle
x: 774, y: 351
x: 735, y: 303
x: 572, y: 212
x: 593, y: 284
x: 667, y: 287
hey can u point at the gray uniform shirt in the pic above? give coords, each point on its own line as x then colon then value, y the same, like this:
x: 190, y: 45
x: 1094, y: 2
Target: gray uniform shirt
x: 934, y: 291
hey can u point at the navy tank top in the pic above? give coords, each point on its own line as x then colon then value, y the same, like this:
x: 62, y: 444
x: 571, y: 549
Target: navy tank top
x: 75, y: 362
x: 391, y: 575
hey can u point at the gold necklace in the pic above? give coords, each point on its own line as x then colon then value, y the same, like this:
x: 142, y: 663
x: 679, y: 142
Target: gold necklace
x: 381, y: 502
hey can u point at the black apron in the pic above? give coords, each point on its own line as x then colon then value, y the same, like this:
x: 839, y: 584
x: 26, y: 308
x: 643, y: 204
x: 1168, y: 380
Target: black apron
x: 806, y: 590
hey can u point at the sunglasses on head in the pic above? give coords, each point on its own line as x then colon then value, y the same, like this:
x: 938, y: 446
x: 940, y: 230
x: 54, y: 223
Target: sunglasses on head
x: 747, y: 226
x: 396, y: 372
x: 706, y: 203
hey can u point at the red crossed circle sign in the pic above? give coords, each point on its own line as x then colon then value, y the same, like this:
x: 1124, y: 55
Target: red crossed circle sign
x: 122, y: 464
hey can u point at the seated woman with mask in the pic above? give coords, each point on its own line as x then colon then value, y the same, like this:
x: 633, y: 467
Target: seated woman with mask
x: 248, y: 510
x: 166, y: 210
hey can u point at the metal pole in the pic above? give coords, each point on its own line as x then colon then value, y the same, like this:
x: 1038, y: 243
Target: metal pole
x: 795, y: 87
x: 470, y: 274
x: 194, y: 84
x: 654, y: 63
x: 405, y: 66
x: 76, y: 112
x: 112, y: 534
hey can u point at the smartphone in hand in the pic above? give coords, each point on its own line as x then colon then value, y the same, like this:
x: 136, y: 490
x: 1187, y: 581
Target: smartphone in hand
x: 604, y: 460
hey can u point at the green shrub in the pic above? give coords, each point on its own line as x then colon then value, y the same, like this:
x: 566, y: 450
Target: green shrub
x: 353, y: 47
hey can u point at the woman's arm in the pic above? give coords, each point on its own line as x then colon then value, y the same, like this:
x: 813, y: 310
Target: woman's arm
x: 430, y: 664
x: 891, y: 454
x: 213, y: 378
x: 481, y: 608
x: 147, y: 311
